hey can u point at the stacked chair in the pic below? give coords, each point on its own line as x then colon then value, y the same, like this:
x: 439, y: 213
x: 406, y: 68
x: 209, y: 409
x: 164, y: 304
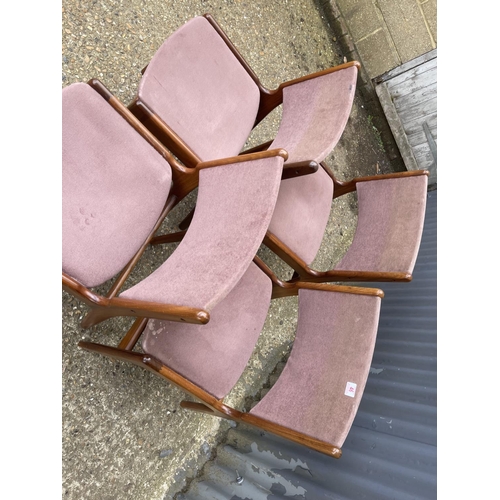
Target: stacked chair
x: 201, y: 98
x: 200, y: 313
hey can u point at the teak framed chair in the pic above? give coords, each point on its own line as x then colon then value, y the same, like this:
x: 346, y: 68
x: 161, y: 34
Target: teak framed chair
x: 202, y: 100
x: 315, y: 399
x: 117, y: 189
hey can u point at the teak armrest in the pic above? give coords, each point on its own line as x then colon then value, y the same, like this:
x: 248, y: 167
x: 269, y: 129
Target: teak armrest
x: 292, y: 289
x: 341, y: 187
x: 106, y: 307
x: 318, y: 74
x: 290, y: 170
x: 101, y: 89
x: 188, y: 179
x: 259, y: 155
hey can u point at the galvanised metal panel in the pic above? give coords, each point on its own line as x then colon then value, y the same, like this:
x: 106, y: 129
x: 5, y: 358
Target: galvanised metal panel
x: 390, y: 452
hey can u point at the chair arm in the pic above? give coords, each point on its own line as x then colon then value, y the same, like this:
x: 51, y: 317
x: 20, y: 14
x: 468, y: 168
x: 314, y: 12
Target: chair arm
x: 290, y: 170
x: 125, y: 112
x: 73, y: 286
x: 121, y: 306
x: 287, y: 289
x: 259, y: 155
x: 317, y: 74
x: 118, y: 306
x: 341, y: 187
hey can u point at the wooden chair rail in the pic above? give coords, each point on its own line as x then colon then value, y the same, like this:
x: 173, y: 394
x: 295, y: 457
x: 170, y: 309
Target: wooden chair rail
x: 259, y: 155
x: 122, y: 277
x: 102, y: 308
x: 165, y: 135
x: 262, y: 424
x: 119, y: 306
x: 296, y: 437
x: 100, y: 88
x: 344, y: 187
x: 271, y: 99
x: 292, y: 288
x: 131, y: 338
x: 73, y: 286
x: 154, y: 365
x: 207, y: 403
x: 305, y: 273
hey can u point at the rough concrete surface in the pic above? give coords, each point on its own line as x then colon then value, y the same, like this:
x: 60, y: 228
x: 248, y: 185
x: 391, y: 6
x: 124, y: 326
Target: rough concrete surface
x: 123, y: 433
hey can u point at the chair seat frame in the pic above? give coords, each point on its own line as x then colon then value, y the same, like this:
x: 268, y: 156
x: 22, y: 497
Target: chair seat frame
x: 204, y: 401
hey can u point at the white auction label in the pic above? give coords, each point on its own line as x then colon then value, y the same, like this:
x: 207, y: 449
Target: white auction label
x: 350, y: 389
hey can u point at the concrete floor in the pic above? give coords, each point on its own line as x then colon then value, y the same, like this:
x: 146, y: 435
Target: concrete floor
x: 123, y: 433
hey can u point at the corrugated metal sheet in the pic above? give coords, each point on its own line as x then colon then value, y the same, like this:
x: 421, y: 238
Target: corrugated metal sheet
x: 390, y: 452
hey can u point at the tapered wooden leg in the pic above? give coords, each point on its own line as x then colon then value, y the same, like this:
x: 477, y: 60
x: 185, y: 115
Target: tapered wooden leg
x: 94, y: 316
x: 132, y: 336
x: 168, y: 238
x: 200, y: 407
x: 184, y: 224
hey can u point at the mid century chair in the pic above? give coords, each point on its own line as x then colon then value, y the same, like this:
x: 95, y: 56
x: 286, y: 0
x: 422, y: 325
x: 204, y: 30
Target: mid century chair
x: 117, y: 189
x: 318, y: 393
x: 391, y: 210
x: 202, y: 100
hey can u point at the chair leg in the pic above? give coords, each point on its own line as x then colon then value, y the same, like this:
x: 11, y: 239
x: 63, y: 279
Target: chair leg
x: 94, y: 316
x: 199, y: 407
x: 184, y: 224
x: 128, y: 342
x: 168, y: 238
x: 154, y: 365
x: 136, y: 358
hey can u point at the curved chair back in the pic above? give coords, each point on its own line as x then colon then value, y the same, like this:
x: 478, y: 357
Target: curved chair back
x: 114, y: 187
x: 197, y: 86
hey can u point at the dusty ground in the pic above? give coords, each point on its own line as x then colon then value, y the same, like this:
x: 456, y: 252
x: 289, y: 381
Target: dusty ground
x: 123, y: 434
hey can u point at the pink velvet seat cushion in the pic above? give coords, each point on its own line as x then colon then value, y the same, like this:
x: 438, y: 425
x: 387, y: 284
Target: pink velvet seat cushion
x: 195, y: 84
x: 320, y: 388
x: 214, y: 355
x: 235, y: 204
x: 315, y: 113
x: 390, y: 222
x: 114, y: 186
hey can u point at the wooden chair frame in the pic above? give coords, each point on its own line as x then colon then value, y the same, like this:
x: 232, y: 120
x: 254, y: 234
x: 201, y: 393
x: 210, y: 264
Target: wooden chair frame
x: 206, y: 403
x: 304, y: 272
x: 184, y: 180
x: 269, y: 100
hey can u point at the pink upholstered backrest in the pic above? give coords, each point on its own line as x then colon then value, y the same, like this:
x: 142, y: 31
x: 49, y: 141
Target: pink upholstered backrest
x: 114, y: 186
x: 195, y: 84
